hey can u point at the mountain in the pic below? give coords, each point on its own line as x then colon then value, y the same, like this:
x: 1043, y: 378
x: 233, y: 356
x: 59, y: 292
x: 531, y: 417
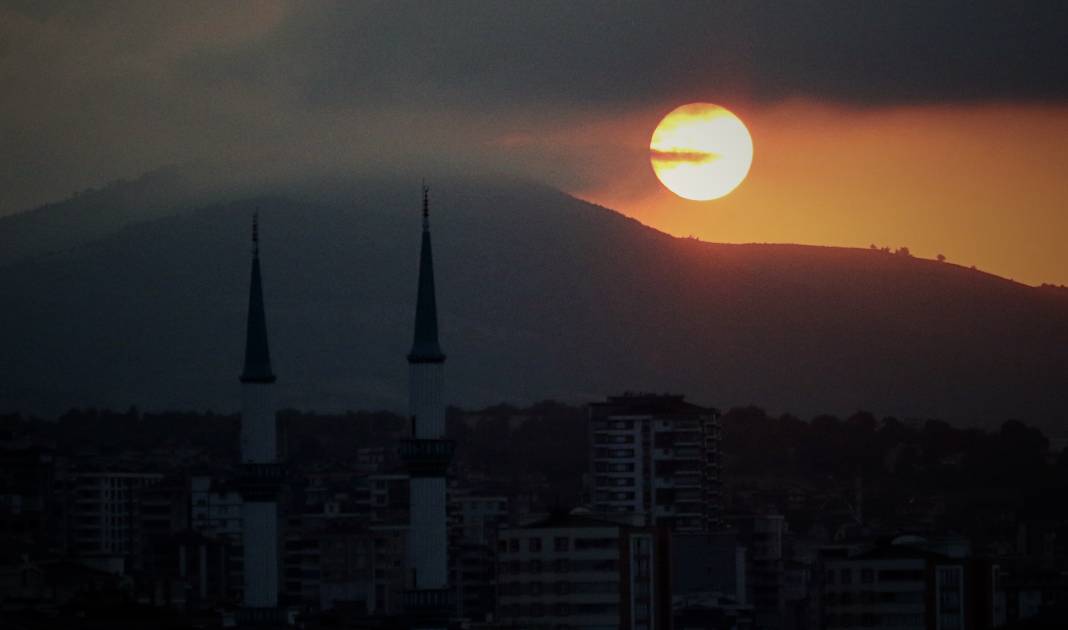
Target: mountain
x: 541, y: 295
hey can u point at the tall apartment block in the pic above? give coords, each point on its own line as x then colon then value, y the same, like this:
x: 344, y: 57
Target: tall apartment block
x: 657, y: 457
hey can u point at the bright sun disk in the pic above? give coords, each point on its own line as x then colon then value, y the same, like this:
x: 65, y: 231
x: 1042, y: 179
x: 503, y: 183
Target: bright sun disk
x: 701, y: 151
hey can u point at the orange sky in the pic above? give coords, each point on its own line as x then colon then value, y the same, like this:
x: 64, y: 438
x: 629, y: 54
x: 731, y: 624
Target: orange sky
x: 100, y: 91
x: 984, y: 185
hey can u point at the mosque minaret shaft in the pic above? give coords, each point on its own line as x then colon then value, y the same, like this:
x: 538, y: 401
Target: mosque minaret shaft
x: 261, y: 473
x: 427, y: 453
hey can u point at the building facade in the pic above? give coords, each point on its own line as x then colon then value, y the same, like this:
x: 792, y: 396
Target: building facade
x: 576, y: 571
x: 906, y: 585
x: 658, y: 457
x: 103, y: 514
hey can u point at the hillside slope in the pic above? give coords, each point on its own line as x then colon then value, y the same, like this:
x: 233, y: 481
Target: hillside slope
x: 541, y: 296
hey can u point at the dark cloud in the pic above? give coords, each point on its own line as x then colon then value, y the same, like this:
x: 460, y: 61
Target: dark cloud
x: 95, y: 91
x: 862, y: 52
x: 697, y: 157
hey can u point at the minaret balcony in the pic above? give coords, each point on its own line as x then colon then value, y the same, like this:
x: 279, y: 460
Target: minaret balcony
x: 260, y: 481
x: 427, y: 600
x: 427, y: 458
x: 263, y: 618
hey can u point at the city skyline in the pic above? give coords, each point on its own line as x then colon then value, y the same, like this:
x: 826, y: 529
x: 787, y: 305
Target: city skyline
x: 756, y: 315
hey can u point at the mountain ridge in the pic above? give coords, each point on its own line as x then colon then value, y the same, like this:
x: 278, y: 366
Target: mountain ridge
x: 541, y: 296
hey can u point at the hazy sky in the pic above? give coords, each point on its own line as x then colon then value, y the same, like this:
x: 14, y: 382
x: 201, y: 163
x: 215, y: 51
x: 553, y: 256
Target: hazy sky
x: 941, y: 126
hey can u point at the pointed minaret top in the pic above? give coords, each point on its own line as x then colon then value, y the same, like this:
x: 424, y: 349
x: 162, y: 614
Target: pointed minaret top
x: 257, y: 353
x: 425, y: 347
x: 256, y: 233
x: 426, y: 206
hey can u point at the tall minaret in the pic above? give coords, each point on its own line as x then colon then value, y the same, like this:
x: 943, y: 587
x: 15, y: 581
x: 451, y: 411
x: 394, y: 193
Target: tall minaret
x: 427, y: 453
x: 261, y: 473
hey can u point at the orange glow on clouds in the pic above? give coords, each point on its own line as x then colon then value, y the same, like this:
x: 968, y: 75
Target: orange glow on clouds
x: 983, y: 185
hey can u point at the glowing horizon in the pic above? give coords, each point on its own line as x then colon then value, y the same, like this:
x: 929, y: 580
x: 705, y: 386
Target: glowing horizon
x: 979, y: 184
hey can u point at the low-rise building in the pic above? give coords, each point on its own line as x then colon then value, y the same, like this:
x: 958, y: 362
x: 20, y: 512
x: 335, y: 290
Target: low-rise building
x: 576, y: 571
x: 906, y: 585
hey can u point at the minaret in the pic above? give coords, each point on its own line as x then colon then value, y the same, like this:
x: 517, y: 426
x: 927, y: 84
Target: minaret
x: 261, y: 473
x: 427, y: 454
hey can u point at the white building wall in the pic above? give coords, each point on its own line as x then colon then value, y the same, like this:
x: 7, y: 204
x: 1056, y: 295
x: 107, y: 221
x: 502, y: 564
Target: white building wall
x: 103, y: 511
x: 591, y: 596
x: 261, y: 554
x: 428, y: 543
x: 633, y: 442
x: 425, y: 400
x: 215, y: 512
x: 259, y: 426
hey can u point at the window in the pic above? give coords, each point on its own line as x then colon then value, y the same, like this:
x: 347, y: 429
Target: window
x: 847, y: 576
x: 534, y: 544
x: 867, y: 576
x: 561, y: 543
x: 607, y: 467
x: 513, y: 545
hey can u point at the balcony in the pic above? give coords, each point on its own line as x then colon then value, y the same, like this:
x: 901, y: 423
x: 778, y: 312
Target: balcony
x: 427, y: 600
x: 262, y: 617
x: 427, y: 458
x: 260, y: 482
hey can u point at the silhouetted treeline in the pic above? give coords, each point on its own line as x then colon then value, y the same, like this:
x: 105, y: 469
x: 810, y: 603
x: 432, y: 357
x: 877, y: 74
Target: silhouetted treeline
x: 307, y: 436
x: 891, y: 474
x: 929, y: 451
x: 107, y: 433
x: 546, y: 443
x: 541, y: 449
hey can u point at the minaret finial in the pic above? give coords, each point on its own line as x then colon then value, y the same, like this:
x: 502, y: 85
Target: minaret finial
x: 426, y: 206
x: 425, y: 348
x: 256, y: 232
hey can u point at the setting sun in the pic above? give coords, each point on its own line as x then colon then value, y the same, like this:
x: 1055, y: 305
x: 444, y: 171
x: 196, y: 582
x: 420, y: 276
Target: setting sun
x: 701, y: 151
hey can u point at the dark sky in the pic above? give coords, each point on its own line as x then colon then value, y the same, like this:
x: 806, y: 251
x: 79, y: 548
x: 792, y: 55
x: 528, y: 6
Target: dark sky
x: 93, y: 91
x: 513, y: 53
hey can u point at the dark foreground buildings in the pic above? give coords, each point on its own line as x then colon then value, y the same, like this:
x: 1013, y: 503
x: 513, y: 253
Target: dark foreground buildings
x: 401, y: 532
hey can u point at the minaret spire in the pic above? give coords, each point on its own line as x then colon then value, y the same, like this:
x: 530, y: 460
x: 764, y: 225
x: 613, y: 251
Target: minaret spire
x: 427, y: 455
x: 257, y: 352
x: 261, y: 473
x: 426, y: 207
x: 425, y: 346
